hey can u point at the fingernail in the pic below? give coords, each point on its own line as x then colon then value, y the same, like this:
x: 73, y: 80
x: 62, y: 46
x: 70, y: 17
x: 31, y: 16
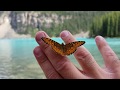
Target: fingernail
x: 39, y: 36
x: 37, y: 52
x: 64, y: 34
x: 99, y: 38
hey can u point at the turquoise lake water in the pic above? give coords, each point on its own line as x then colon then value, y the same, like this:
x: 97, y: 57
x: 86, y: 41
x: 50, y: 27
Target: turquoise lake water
x: 18, y: 62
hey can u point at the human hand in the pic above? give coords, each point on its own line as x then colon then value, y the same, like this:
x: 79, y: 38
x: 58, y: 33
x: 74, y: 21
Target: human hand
x: 56, y: 66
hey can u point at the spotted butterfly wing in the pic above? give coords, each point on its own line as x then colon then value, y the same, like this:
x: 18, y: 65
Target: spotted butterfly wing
x: 61, y: 48
x: 55, y: 45
x: 72, y: 47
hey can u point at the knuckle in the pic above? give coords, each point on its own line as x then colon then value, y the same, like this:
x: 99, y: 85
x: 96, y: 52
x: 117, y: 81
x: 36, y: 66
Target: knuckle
x: 43, y: 59
x: 85, y: 57
x: 51, y: 75
x: 45, y: 46
x: 109, y: 54
x: 82, y: 55
x: 114, y: 59
x: 62, y: 66
x: 116, y: 62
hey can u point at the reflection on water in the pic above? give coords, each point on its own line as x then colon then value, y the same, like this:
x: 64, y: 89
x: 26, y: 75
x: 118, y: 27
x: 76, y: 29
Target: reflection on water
x: 5, y: 59
x: 17, y: 60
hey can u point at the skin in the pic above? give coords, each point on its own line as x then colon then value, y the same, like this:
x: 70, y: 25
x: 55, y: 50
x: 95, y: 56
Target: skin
x: 56, y: 66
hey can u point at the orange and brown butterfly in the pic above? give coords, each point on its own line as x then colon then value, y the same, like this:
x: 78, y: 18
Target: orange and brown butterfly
x: 62, y: 49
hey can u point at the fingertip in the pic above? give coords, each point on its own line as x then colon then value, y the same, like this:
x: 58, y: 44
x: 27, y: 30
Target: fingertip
x: 39, y: 35
x: 101, y: 43
x: 67, y: 37
x: 64, y: 34
x: 37, y: 51
x: 100, y: 40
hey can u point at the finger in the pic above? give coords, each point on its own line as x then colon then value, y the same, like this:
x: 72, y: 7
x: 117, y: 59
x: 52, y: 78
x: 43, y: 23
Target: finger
x: 44, y: 63
x: 61, y: 63
x: 110, y: 58
x: 83, y: 56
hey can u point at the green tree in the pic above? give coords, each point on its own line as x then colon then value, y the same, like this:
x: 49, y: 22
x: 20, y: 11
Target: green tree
x: 107, y: 25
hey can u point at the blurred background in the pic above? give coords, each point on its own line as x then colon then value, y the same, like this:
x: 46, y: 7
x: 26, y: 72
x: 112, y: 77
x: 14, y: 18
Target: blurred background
x: 18, y: 29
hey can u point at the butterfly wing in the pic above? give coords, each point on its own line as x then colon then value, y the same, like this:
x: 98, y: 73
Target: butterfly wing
x: 55, y: 46
x: 72, y: 47
x: 63, y: 49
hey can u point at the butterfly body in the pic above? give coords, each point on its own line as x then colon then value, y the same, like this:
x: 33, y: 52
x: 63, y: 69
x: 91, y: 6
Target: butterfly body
x: 63, y: 49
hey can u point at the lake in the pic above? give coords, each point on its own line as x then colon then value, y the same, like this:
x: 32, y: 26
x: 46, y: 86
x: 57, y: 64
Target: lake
x: 18, y: 62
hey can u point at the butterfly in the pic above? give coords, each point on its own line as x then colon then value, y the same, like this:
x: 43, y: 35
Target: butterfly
x: 62, y: 49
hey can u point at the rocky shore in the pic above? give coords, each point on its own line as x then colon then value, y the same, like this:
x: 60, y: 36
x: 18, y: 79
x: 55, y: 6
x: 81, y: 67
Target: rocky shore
x: 82, y: 34
x: 7, y: 32
x: 12, y: 23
